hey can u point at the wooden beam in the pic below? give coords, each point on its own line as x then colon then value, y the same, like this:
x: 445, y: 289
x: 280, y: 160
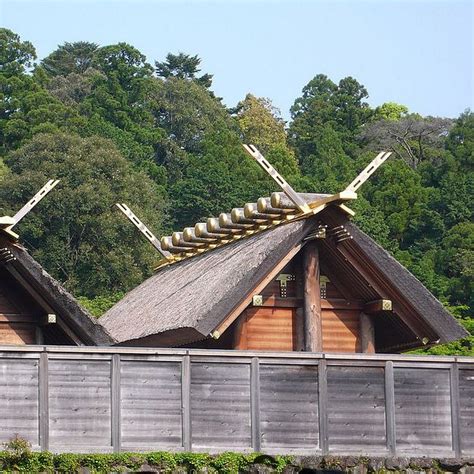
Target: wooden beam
x: 286, y: 188
x: 378, y: 306
x: 276, y: 302
x: 299, y: 300
x: 369, y: 274
x: 18, y: 318
x: 312, y: 298
x: 367, y: 334
x: 29, y: 288
x: 69, y: 332
x: 364, y: 175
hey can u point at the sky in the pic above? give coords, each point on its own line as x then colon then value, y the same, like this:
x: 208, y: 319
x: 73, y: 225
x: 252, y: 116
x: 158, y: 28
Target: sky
x: 418, y: 53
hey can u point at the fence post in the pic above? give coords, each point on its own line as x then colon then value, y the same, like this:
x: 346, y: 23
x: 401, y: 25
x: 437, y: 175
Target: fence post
x: 390, y: 408
x: 186, y: 402
x: 255, y: 404
x: 115, y: 400
x: 455, y: 408
x: 323, y: 406
x: 43, y: 399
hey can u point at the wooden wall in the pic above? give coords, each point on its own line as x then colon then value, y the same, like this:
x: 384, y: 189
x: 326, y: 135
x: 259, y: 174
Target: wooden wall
x: 19, y: 315
x: 270, y: 328
x: 278, y: 323
x: 109, y: 399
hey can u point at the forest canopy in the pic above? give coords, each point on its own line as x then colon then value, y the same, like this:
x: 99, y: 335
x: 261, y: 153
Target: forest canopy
x: 113, y: 126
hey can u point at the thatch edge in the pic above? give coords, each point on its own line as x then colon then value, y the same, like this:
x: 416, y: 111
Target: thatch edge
x: 428, y: 306
x: 79, y: 319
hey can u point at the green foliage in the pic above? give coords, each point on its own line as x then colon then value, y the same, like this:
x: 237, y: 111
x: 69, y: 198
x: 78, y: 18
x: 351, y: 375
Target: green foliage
x: 228, y: 462
x: 100, y: 304
x: 183, y: 66
x: 325, y: 105
x: 70, y: 58
x: 78, y: 235
x: 260, y: 123
x: 16, y: 56
x: 390, y: 111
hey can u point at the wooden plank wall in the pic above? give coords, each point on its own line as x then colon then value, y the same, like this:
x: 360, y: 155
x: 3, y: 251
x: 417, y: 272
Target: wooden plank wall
x: 266, y: 329
x: 18, y: 314
x: 118, y: 399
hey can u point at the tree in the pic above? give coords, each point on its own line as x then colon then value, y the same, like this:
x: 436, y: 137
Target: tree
x: 26, y: 107
x: 70, y: 58
x: 351, y: 112
x: 74, y: 88
x: 456, y: 259
x: 324, y: 103
x: 76, y: 233
x: 117, y: 106
x: 390, y: 111
x: 187, y: 114
x: 397, y: 191
x: 16, y: 56
x: 460, y: 140
x: 328, y: 168
x: 217, y: 179
x: 183, y: 66
x: 260, y: 123
x: 410, y: 138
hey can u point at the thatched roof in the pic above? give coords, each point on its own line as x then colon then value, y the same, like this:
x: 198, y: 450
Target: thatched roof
x: 85, y: 327
x: 196, y: 295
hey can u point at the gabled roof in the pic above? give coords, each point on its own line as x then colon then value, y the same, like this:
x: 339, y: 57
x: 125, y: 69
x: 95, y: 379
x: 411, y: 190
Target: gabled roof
x: 45, y: 288
x: 187, y: 301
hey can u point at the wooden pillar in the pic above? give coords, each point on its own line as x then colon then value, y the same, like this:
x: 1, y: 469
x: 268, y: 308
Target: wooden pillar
x: 312, y: 298
x: 367, y: 333
x: 299, y: 313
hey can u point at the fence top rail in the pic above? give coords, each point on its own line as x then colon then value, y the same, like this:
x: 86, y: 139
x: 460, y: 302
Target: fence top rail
x: 365, y: 359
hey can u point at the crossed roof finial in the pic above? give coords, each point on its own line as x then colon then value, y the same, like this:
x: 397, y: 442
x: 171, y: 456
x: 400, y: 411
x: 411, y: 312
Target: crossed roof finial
x: 266, y: 213
x: 7, y: 222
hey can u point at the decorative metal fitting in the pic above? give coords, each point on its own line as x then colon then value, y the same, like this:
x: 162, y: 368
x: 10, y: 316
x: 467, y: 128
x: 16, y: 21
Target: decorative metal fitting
x: 6, y: 256
x: 339, y: 234
x: 319, y: 233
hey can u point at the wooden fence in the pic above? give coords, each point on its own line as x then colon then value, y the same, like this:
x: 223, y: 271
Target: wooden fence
x: 112, y: 399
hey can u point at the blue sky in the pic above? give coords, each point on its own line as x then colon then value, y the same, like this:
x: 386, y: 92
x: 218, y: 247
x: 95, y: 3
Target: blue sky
x: 418, y: 53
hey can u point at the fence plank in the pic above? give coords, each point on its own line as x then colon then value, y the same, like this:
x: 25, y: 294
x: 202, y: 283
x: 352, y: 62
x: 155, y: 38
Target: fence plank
x: 255, y: 403
x: 115, y: 408
x: 423, y: 410
x: 220, y: 405
x: 356, y: 409
x: 151, y: 405
x: 19, y: 404
x: 454, y: 382
x: 323, y: 406
x: 186, y: 402
x: 80, y: 405
x: 289, y: 407
x: 390, y: 408
x: 43, y: 402
x: 466, y: 412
